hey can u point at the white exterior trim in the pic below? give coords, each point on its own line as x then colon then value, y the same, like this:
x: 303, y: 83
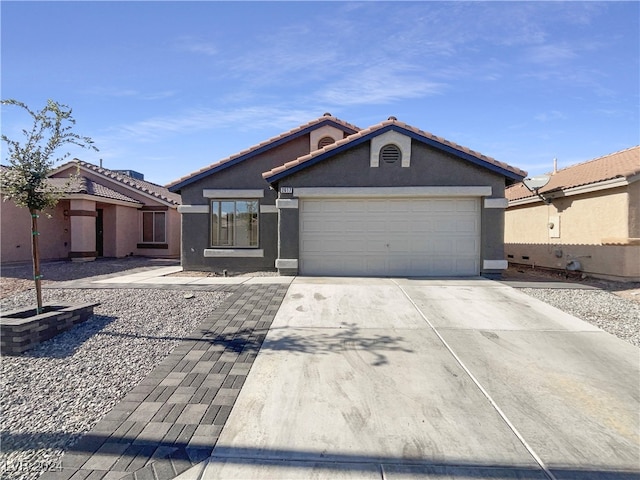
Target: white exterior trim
x: 403, y: 142
x: 230, y: 193
x: 307, y: 192
x: 268, y: 209
x: 286, y: 263
x: 233, y: 252
x: 287, y: 203
x: 496, y: 203
x: 193, y: 208
x: 495, y: 264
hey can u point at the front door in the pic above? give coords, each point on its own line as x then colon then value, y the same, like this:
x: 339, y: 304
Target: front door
x: 99, y: 233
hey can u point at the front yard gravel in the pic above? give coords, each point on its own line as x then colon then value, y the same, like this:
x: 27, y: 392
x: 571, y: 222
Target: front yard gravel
x: 62, y: 388
x: 54, y: 393
x: 613, y: 314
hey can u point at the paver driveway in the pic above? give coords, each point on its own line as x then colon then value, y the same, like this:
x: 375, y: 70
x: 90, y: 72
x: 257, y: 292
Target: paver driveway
x: 401, y: 378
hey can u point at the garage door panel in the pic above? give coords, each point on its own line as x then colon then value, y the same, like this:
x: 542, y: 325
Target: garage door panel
x: 396, y: 237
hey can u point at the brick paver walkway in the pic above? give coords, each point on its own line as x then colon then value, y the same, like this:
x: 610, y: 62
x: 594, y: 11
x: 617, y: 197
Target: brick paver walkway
x: 173, y: 418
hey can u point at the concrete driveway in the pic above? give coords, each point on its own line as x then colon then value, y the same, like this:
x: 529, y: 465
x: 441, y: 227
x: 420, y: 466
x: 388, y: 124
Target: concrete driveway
x: 405, y: 379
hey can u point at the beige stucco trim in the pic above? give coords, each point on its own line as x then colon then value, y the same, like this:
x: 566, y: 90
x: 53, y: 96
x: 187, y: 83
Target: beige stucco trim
x: 324, y: 131
x: 286, y: 263
x: 193, y: 208
x: 231, y: 193
x: 495, y: 264
x: 496, y: 203
x: 345, y: 192
x: 287, y: 203
x: 233, y: 252
x: 268, y: 209
x: 403, y: 142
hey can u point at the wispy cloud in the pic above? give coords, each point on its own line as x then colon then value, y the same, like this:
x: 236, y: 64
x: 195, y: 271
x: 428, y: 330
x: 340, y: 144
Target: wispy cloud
x: 114, y: 92
x: 201, y: 119
x: 550, y: 54
x: 379, y: 85
x: 194, y: 45
x: 550, y: 116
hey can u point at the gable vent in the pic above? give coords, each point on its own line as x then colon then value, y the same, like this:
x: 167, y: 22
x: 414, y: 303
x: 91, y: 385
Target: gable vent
x: 390, y: 154
x: 324, y: 141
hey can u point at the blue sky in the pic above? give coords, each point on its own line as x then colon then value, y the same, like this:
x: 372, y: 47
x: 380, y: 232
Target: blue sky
x: 166, y: 88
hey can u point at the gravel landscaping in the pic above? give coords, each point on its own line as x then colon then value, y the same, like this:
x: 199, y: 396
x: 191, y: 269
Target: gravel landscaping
x: 57, y: 391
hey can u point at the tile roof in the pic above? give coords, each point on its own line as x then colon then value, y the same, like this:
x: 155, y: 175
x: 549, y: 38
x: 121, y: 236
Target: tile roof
x: 393, y: 123
x: 622, y: 164
x: 326, y: 118
x: 157, y: 191
x: 84, y: 185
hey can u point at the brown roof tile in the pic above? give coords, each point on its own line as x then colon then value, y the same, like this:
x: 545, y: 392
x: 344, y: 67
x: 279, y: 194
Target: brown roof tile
x: 622, y: 164
x: 326, y: 116
x: 374, y: 128
x: 83, y: 185
x: 157, y: 191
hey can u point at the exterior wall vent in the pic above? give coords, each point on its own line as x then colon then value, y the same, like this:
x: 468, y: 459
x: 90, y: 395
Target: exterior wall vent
x: 324, y: 141
x: 390, y: 154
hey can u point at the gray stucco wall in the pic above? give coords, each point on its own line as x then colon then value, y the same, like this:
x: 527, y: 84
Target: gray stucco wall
x: 429, y: 167
x: 196, y: 227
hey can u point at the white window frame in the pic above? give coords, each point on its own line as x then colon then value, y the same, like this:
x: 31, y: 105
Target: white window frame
x: 153, y: 223
x: 215, y: 209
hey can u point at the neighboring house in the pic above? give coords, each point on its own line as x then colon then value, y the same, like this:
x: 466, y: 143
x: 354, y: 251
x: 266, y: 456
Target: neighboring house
x: 589, y: 220
x: 327, y: 198
x: 101, y: 213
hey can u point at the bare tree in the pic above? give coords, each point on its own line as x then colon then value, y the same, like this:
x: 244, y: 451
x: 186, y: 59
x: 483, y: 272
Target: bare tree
x: 30, y: 163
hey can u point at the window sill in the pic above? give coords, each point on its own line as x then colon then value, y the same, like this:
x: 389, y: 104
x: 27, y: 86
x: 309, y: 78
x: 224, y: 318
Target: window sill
x: 153, y: 245
x: 233, y: 252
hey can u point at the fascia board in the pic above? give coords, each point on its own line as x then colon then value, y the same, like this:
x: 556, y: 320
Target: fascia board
x: 409, y: 133
x: 257, y: 151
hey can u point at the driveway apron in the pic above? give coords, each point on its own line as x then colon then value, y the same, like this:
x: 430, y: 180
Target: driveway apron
x: 402, y: 378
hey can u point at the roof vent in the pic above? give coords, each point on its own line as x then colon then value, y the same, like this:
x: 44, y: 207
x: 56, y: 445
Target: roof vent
x: 324, y: 141
x: 390, y: 153
x: 327, y: 114
x: 392, y: 118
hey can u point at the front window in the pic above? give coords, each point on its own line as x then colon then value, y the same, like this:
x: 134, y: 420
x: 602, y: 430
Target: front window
x: 154, y: 227
x: 234, y: 223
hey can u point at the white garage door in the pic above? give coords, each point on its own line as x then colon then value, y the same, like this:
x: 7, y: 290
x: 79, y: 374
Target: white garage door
x: 390, y: 237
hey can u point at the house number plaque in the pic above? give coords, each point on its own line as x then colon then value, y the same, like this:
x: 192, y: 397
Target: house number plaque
x: 286, y: 189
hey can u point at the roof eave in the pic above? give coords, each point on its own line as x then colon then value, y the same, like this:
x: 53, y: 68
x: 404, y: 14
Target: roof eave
x: 441, y: 146
x: 264, y: 148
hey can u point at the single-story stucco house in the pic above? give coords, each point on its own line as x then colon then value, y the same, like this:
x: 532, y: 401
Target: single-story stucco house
x: 327, y: 198
x: 586, y: 219
x: 102, y: 212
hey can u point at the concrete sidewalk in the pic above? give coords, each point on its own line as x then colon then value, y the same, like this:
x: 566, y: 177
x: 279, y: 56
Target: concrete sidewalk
x: 460, y: 378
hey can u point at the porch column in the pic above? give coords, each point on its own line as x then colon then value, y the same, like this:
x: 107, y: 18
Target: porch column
x: 82, y: 216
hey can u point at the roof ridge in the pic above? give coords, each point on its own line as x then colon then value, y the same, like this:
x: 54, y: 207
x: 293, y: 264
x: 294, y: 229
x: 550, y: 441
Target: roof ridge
x: 385, y: 123
x: 246, y: 151
x: 594, y: 159
x: 126, y: 180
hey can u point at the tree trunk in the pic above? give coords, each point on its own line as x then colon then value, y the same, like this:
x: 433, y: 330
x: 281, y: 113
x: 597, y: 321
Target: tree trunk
x: 35, y: 252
